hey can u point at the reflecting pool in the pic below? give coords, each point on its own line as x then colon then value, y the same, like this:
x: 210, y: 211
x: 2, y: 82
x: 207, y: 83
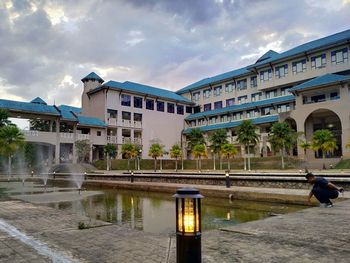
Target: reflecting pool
x: 147, y: 211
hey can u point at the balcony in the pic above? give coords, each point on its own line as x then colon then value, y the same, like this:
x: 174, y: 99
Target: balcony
x: 112, y: 139
x: 39, y: 136
x: 112, y: 122
x: 138, y: 141
x: 83, y: 136
x: 126, y: 123
x: 126, y: 140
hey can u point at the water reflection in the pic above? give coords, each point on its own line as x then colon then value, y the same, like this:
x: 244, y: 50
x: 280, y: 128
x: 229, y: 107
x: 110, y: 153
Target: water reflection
x: 155, y: 213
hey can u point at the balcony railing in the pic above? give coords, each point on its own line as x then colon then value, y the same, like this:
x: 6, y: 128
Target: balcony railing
x: 112, y: 121
x: 126, y: 140
x: 66, y: 135
x: 83, y: 136
x: 111, y: 139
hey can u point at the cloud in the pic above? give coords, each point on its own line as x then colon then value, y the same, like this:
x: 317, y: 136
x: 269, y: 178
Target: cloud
x: 163, y: 43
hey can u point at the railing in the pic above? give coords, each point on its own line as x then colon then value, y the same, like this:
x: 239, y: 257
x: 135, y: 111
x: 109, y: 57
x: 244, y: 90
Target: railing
x: 83, y: 136
x: 30, y: 133
x: 112, y: 121
x: 138, y: 141
x: 126, y: 140
x: 138, y: 124
x: 126, y: 123
x: 112, y: 139
x: 66, y: 135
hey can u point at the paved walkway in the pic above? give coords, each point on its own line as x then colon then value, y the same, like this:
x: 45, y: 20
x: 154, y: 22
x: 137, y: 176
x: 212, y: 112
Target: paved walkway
x: 311, y: 235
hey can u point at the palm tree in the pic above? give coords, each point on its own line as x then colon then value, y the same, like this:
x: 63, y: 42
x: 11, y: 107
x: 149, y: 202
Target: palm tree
x: 282, y: 137
x: 194, y: 138
x: 175, y: 152
x: 218, y: 139
x: 129, y: 151
x: 305, y: 145
x: 324, y: 140
x: 156, y: 150
x: 110, y: 151
x: 229, y: 150
x: 11, y: 140
x: 4, y: 115
x: 199, y: 151
x: 247, y: 136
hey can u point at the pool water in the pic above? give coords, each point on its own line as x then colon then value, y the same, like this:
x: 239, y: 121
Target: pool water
x: 147, y: 211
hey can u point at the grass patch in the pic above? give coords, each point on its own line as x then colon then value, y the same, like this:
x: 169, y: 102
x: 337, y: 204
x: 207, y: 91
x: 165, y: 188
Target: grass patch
x: 343, y: 164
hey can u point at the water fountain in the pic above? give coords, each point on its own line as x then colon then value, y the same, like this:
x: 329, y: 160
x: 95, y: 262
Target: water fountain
x: 44, y: 176
x: 78, y: 179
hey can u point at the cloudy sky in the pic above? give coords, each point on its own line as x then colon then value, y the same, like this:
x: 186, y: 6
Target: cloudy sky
x: 47, y: 46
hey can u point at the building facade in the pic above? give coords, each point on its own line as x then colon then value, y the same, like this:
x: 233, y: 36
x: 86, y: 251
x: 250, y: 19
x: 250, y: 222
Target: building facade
x: 308, y: 86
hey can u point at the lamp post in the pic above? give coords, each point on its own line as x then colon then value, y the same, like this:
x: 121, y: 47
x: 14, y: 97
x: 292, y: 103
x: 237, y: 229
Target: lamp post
x: 139, y: 159
x: 227, y: 179
x: 188, y: 226
x: 213, y: 155
x: 132, y: 177
x: 32, y: 173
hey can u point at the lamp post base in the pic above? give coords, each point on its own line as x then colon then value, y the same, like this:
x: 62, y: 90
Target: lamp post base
x: 188, y: 248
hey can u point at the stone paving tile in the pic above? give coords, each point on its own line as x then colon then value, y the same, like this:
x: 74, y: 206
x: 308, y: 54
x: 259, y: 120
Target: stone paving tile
x: 312, y: 235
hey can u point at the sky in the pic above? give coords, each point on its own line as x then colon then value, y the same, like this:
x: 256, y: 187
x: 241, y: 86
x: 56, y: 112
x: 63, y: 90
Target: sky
x: 47, y: 47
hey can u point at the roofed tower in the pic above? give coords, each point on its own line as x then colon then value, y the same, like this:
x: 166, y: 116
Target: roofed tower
x: 91, y: 81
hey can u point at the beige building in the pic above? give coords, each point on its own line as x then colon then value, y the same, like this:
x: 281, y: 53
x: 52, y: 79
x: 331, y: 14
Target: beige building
x: 308, y: 86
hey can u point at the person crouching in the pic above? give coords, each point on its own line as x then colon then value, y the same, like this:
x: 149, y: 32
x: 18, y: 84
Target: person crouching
x: 323, y: 190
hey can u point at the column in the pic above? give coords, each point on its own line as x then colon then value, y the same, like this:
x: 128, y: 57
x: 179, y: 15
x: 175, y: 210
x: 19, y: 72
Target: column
x: 57, y: 147
x: 74, y: 140
x: 91, y: 153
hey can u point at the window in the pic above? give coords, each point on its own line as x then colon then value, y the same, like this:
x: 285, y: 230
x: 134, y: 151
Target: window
x: 217, y: 91
x: 318, y: 61
x: 283, y: 108
x: 126, y: 100
x: 242, y: 84
x: 271, y: 94
x: 196, y: 109
x: 98, y: 133
x: 334, y: 95
x: 267, y: 111
x: 281, y: 71
x: 126, y: 115
x: 218, y: 105
x: 160, y: 106
x: 188, y: 109
x: 253, y: 82
x: 206, y: 93
x: 339, y: 56
x: 230, y: 102
x: 242, y: 99
x: 256, y: 96
x: 137, y: 117
x: 207, y: 107
x: 229, y: 87
x: 180, y: 109
x: 171, y: 107
x: 299, y: 66
x: 149, y: 104
x: 285, y: 91
x: 265, y: 75
x: 196, y: 96
x: 138, y: 102
x: 112, y: 113
x: 318, y: 98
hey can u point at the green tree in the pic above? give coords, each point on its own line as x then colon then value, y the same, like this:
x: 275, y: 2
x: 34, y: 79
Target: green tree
x: 325, y: 141
x: 156, y: 150
x: 82, y: 148
x: 305, y: 146
x: 129, y: 151
x: 199, y: 151
x: 29, y: 154
x: 195, y: 137
x: 11, y: 140
x: 175, y: 152
x: 217, y: 140
x: 282, y: 138
x: 4, y: 115
x: 247, y: 136
x: 228, y: 150
x: 110, y: 152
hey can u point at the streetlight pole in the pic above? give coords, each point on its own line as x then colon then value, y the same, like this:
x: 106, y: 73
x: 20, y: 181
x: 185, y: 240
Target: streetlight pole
x: 213, y: 155
x: 139, y: 159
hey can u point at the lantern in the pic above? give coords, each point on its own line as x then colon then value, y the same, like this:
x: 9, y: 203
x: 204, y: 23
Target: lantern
x: 227, y: 179
x: 188, y: 225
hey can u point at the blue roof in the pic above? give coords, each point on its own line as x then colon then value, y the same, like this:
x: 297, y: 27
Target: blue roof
x: 240, y: 107
x: 267, y: 55
x: 92, y: 76
x: 90, y: 121
x: 320, y: 81
x: 313, y: 45
x: 143, y: 89
x: 232, y: 124
x: 38, y: 100
x: 70, y: 108
x: 217, y: 78
x: 28, y: 107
